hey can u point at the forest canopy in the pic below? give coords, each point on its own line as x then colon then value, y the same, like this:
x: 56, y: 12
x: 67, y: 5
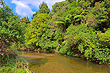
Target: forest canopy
x: 75, y: 28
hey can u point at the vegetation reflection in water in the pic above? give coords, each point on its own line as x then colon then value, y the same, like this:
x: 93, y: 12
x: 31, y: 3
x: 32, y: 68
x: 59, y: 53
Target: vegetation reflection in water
x: 54, y: 63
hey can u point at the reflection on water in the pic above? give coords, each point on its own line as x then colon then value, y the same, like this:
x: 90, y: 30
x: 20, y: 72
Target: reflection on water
x: 54, y: 63
x: 37, y: 62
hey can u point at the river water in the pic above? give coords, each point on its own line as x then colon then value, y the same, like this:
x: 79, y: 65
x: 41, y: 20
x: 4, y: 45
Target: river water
x: 54, y: 63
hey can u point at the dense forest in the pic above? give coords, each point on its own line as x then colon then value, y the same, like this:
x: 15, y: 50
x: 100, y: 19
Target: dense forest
x: 79, y: 28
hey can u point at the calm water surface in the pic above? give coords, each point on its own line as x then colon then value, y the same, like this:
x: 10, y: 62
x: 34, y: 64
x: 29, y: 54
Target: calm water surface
x: 54, y: 63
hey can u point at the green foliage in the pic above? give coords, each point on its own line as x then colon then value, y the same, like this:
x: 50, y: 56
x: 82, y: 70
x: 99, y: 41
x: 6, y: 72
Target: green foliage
x: 77, y: 28
x: 78, y: 36
x: 73, y: 13
x: 59, y: 22
x: 36, y: 29
x: 70, y: 1
x: 100, y: 12
x: 10, y: 31
x: 102, y: 55
x: 101, y: 15
x: 15, y: 66
x: 43, y: 8
x: 73, y: 30
x: 50, y: 39
x: 65, y: 48
x: 84, y: 41
x: 34, y: 14
x: 105, y: 37
x: 58, y: 6
x: 24, y: 24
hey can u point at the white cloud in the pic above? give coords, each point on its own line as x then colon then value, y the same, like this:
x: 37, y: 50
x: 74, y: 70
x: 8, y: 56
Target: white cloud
x: 23, y: 9
x: 51, y: 2
x: 1, y: 6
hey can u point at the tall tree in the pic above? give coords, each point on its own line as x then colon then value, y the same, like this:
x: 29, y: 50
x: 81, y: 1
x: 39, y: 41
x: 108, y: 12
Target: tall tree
x: 36, y: 29
x: 43, y: 8
x: 10, y: 30
x: 70, y: 1
x: 24, y: 23
x: 34, y: 14
x: 25, y: 20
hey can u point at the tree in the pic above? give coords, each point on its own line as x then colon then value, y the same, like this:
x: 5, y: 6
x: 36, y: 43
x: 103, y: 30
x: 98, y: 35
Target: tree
x: 70, y: 1
x: 9, y: 25
x: 10, y: 32
x: 24, y: 23
x: 59, y: 5
x: 25, y: 20
x: 43, y: 8
x: 36, y: 29
x: 34, y: 15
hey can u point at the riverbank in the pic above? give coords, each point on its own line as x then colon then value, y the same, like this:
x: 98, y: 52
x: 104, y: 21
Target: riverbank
x: 56, y: 52
x: 12, y: 63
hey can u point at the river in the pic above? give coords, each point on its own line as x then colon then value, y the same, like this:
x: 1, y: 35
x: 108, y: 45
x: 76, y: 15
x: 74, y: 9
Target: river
x: 54, y: 63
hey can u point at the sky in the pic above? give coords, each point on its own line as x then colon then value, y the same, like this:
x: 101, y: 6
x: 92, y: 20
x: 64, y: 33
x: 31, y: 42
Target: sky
x: 28, y: 7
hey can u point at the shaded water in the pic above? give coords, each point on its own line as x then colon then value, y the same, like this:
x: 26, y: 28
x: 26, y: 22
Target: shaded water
x: 54, y: 63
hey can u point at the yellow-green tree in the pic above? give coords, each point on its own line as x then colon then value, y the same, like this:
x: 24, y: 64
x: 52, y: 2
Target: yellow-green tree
x: 43, y: 8
x: 36, y: 29
x: 10, y: 32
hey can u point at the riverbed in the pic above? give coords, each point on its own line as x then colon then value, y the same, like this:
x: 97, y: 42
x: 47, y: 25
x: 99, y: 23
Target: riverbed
x: 54, y: 63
